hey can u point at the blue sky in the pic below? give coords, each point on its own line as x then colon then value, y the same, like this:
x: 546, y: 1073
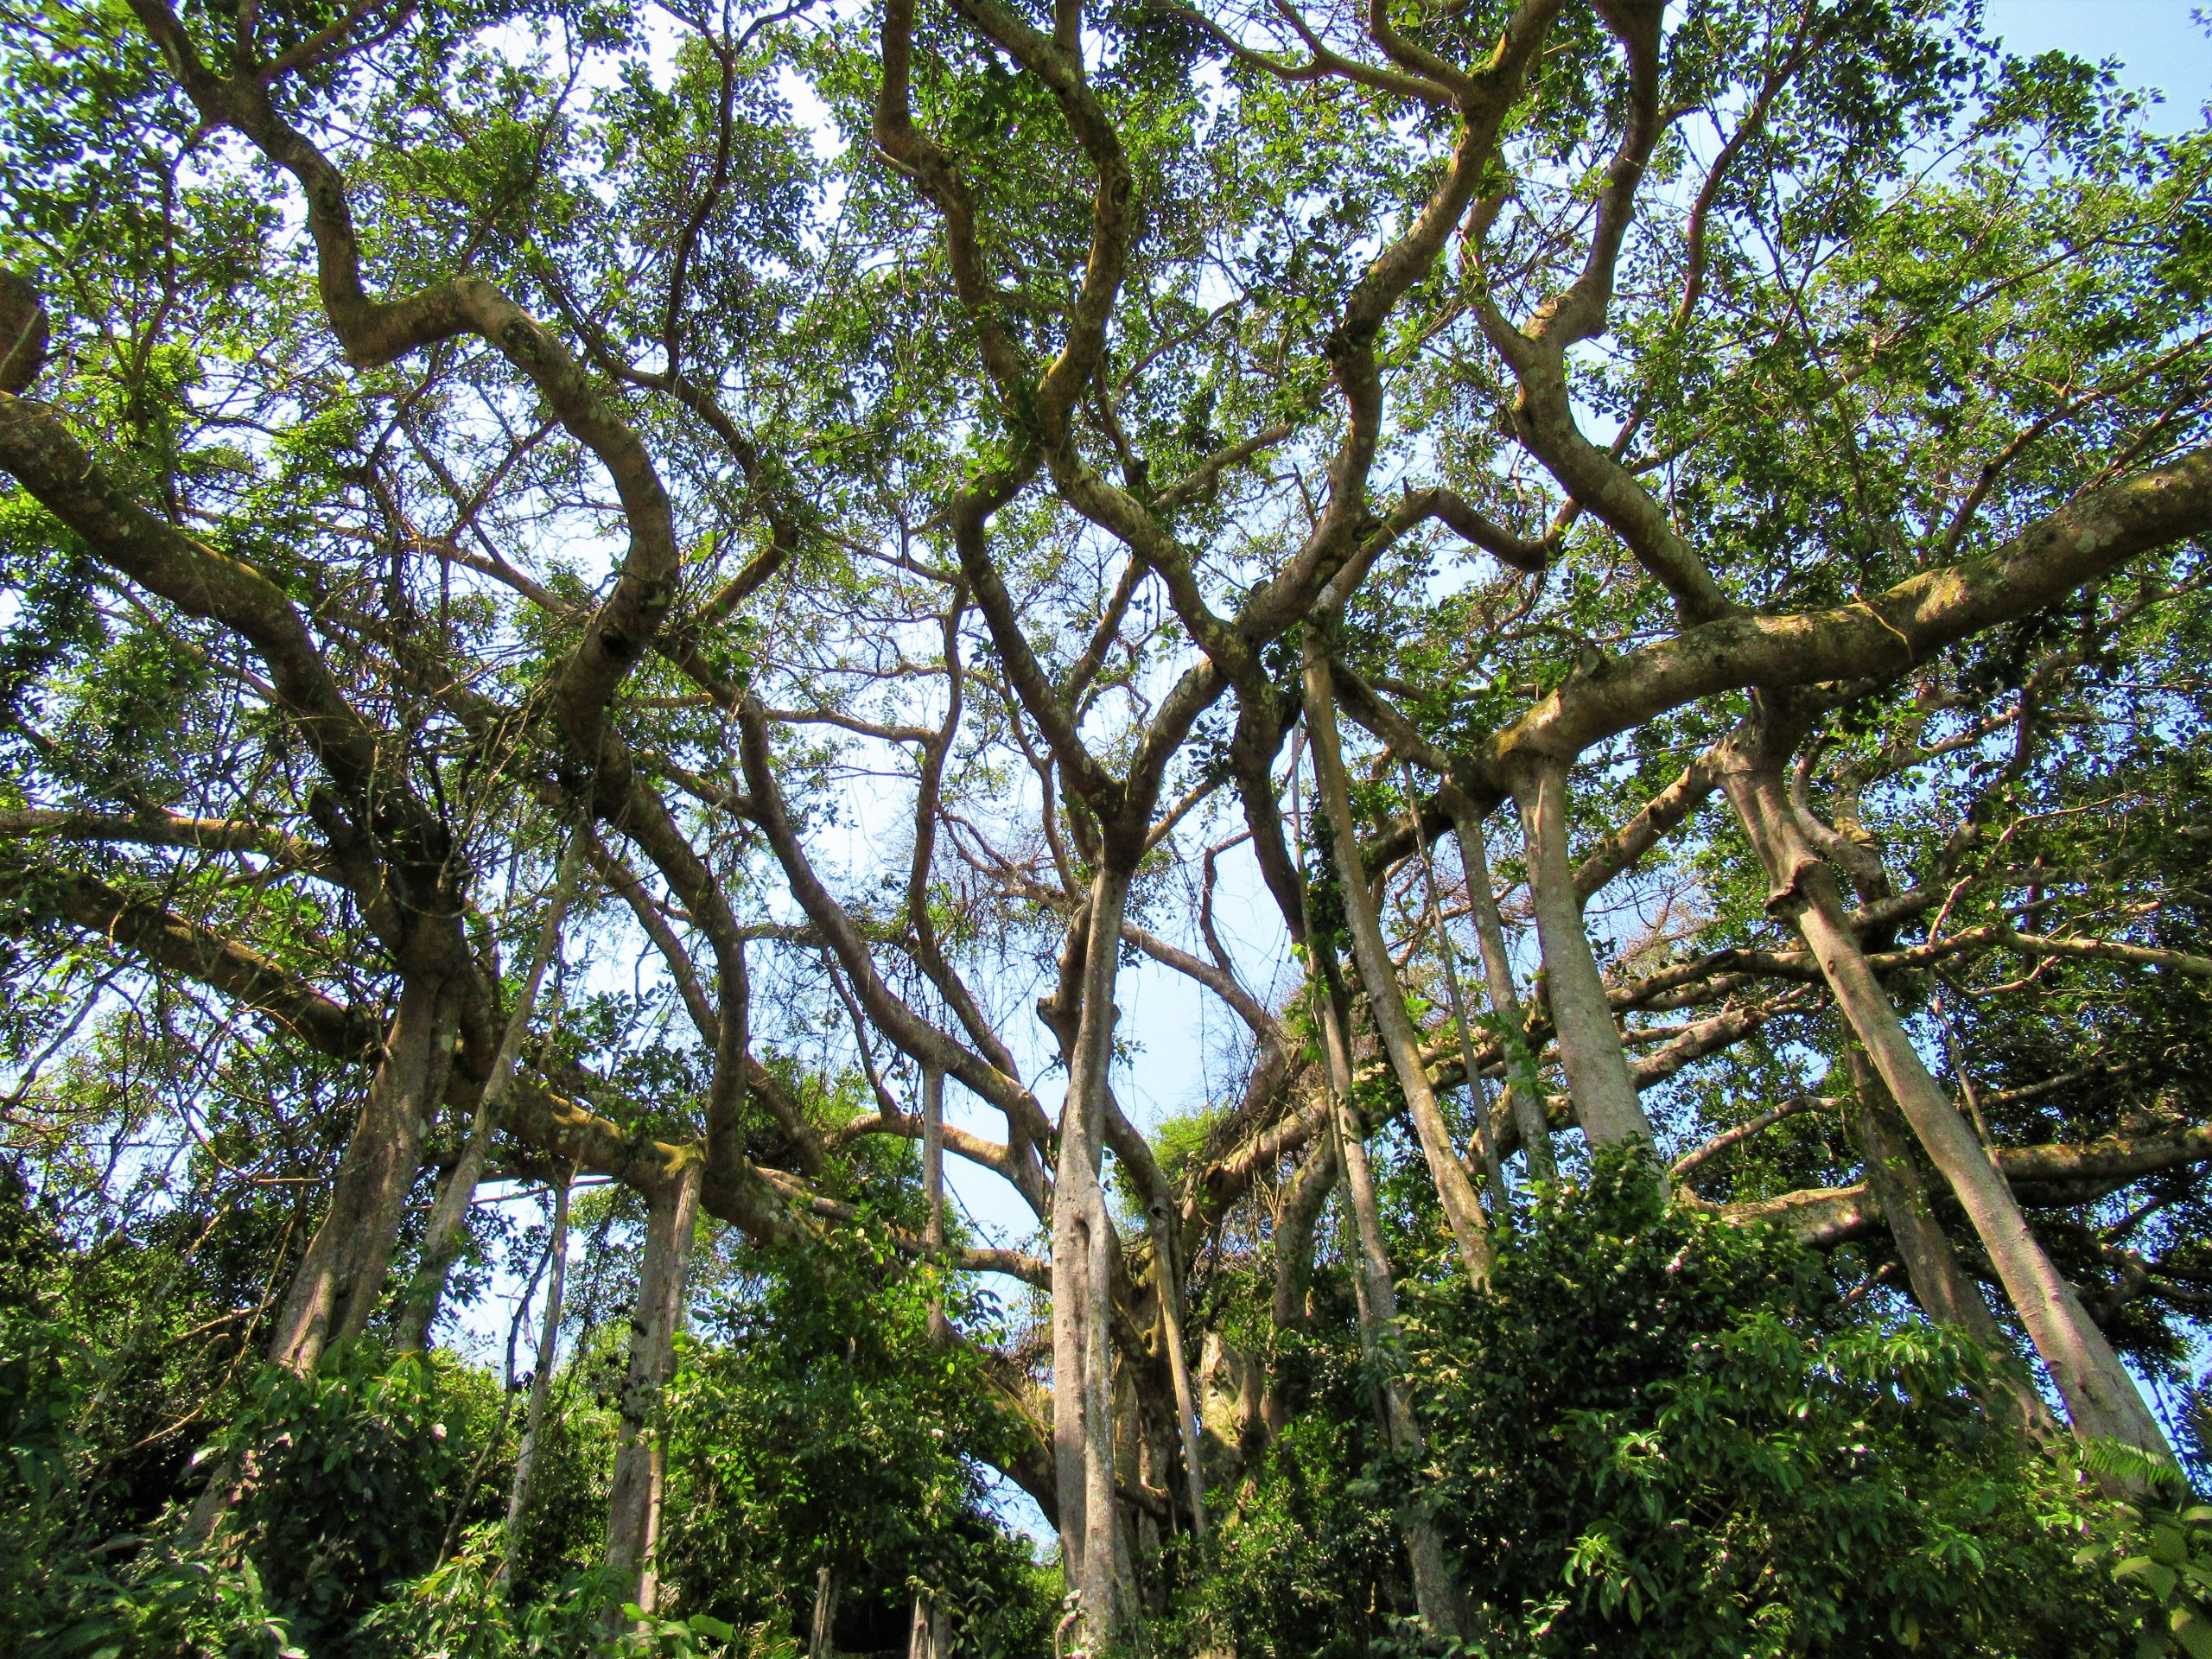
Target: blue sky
x: 2158, y: 43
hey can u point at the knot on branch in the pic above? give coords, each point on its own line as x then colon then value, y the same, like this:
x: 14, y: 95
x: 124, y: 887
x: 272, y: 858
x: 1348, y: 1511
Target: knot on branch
x: 22, y: 334
x: 519, y: 340
x: 1787, y: 895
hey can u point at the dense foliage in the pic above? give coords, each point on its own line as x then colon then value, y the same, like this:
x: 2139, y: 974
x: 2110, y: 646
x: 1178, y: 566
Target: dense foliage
x: 1655, y: 1432
x: 1729, y: 1457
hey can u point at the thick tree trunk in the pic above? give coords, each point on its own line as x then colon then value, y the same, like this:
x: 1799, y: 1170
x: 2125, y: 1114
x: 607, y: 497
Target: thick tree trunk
x: 1082, y: 1419
x: 2101, y: 1399
x: 821, y: 1628
x: 541, y: 1376
x: 927, y: 1632
x: 1598, y: 1077
x: 1386, y: 1000
x: 1523, y: 1095
x: 335, y: 1289
x: 641, y: 1446
x: 447, y: 1228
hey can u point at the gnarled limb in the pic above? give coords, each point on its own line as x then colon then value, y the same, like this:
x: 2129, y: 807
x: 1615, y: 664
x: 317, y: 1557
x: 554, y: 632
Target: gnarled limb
x: 1875, y: 639
x: 159, y: 828
x: 891, y: 1015
x: 166, y: 940
x: 374, y: 332
x: 1617, y: 854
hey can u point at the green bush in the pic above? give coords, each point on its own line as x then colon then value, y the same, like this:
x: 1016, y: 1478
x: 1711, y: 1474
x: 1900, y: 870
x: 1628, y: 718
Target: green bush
x: 1659, y: 1433
x: 460, y: 1609
x: 165, y: 1605
x: 827, y: 1426
x: 2158, y: 1551
x: 65, y: 1588
x: 1305, y: 1566
x: 361, y: 1476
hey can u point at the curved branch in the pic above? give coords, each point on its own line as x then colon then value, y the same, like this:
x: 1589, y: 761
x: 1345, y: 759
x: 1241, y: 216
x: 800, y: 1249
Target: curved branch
x: 1878, y: 638
x: 162, y: 827
x: 164, y: 939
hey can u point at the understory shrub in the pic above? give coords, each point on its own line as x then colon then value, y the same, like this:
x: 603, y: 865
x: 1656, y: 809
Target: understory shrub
x: 1657, y: 1434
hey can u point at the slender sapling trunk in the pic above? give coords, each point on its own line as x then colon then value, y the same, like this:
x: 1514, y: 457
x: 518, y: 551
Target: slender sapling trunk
x: 1448, y: 959
x: 641, y: 1447
x: 541, y: 1376
x: 1523, y: 1095
x: 1386, y: 999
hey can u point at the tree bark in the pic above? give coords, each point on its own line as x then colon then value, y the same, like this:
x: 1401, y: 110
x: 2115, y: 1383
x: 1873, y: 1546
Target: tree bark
x: 1083, y: 1423
x: 926, y: 1632
x: 447, y: 1228
x: 633, y: 1504
x: 1386, y: 999
x: 1448, y: 958
x: 541, y: 1376
x: 2101, y: 1399
x: 824, y: 1624
x: 334, y: 1290
x: 1523, y: 1095
x: 933, y: 1188
x: 1598, y: 1077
